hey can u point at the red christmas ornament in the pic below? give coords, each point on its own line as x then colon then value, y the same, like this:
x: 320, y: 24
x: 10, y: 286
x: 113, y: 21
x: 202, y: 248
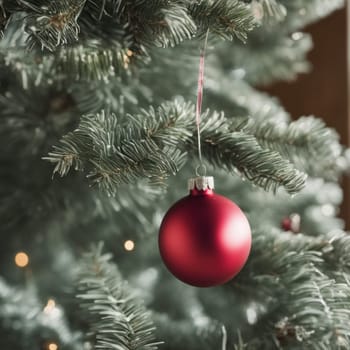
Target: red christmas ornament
x: 291, y: 223
x: 204, y: 238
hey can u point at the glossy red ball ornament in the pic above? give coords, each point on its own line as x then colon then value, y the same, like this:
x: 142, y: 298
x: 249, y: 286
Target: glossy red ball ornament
x: 204, y: 238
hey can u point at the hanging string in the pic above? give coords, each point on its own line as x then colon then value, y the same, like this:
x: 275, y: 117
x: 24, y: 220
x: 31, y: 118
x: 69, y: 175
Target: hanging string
x: 224, y: 338
x: 199, y: 103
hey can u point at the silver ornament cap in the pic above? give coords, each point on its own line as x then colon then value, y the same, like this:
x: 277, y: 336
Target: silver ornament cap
x: 201, y: 183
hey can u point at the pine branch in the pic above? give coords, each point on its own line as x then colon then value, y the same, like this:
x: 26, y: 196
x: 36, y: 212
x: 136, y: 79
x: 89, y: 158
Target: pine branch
x: 271, y: 8
x: 30, y: 68
x: 52, y: 25
x: 117, y: 319
x: 239, y: 151
x: 336, y: 252
x: 292, y: 15
x: 151, y: 145
x: 163, y: 23
x: 147, y: 23
x: 98, y: 9
x: 251, y: 102
x: 116, y: 94
x: 85, y: 40
x: 24, y: 323
x: 286, y: 47
x: 278, y: 58
x: 301, y: 13
x: 307, y: 138
x: 225, y: 18
x: 89, y: 62
x: 307, y: 142
x: 308, y: 309
x: 32, y: 120
x: 182, y: 332
x: 3, y: 18
x: 115, y: 155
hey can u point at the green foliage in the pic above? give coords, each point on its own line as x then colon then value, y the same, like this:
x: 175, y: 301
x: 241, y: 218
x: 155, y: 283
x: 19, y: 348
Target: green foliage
x: 25, y: 325
x: 302, y: 12
x: 53, y: 25
x: 236, y: 150
x: 225, y: 18
x: 97, y: 40
x: 151, y: 145
x: 279, y: 59
x: 304, y: 139
x: 113, y: 155
x: 304, y: 294
x: 273, y: 9
x: 116, y: 318
x: 109, y: 61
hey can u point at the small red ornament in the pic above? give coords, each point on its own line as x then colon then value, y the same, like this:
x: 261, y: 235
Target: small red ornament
x: 204, y: 238
x: 291, y: 223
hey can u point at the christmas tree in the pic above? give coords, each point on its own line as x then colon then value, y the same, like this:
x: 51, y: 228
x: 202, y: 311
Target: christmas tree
x: 98, y: 138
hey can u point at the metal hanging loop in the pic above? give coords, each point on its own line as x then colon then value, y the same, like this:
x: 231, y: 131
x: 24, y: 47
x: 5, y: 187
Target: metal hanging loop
x: 201, y: 170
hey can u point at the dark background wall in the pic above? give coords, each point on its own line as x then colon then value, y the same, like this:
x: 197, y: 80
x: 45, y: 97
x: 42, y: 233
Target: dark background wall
x: 323, y: 92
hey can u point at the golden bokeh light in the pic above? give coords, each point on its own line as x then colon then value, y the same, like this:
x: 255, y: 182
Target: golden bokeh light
x: 129, y: 245
x: 21, y: 259
x: 52, y: 346
x: 51, y: 304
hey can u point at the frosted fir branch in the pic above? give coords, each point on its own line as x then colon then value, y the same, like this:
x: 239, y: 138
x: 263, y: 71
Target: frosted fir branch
x: 100, y: 57
x: 105, y: 7
x: 225, y: 18
x: 146, y: 23
x: 253, y: 103
x: 88, y: 41
x: 281, y: 39
x: 143, y: 24
x: 24, y: 323
x: 113, y: 154
x: 241, y: 151
x: 299, y: 141
x: 89, y: 62
x: 308, y: 307
x: 162, y: 23
x: 301, y: 13
x: 28, y: 67
x: 336, y: 252
x: 52, y: 25
x: 289, y: 16
x: 282, y: 58
x: 116, y: 94
x: 178, y: 26
x: 152, y: 145
x: 116, y: 318
x: 31, y: 120
x: 167, y: 23
x: 269, y: 8
x: 205, y: 337
x: 3, y: 18
x: 307, y: 142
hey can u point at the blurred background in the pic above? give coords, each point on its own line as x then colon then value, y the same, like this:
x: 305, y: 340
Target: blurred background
x: 323, y: 92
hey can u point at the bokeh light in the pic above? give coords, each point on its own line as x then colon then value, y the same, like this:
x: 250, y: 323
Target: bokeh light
x: 21, y: 259
x: 51, y: 304
x: 52, y: 346
x: 129, y: 245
